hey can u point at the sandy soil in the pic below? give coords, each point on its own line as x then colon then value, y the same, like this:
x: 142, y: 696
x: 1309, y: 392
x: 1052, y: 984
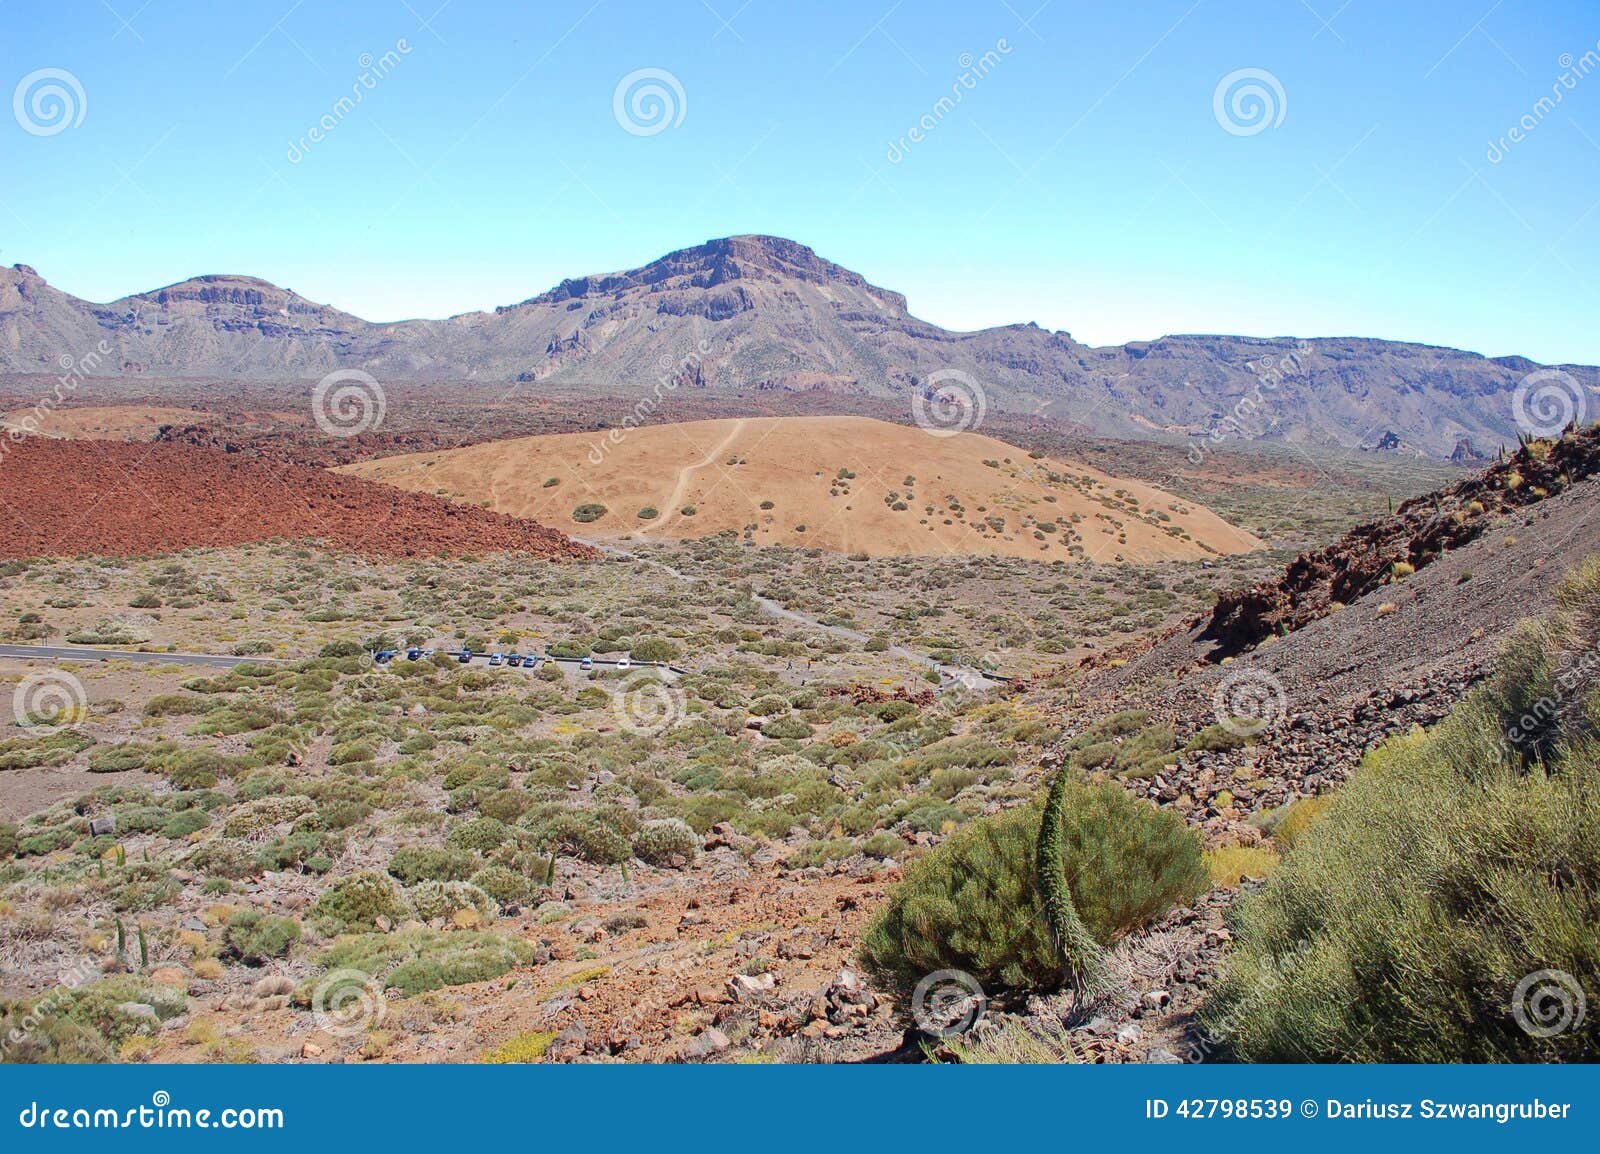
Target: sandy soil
x: 831, y: 482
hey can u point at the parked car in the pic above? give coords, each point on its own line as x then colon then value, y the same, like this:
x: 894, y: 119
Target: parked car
x: 624, y: 663
x: 513, y: 659
x: 586, y: 663
x: 496, y: 659
x: 413, y: 654
x: 465, y: 657
x: 383, y: 656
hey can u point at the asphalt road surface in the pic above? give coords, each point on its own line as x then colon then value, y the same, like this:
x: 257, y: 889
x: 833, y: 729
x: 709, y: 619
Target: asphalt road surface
x: 70, y: 653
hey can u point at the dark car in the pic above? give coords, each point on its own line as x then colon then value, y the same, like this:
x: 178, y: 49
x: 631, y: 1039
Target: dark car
x: 413, y: 654
x: 513, y: 659
x: 465, y: 656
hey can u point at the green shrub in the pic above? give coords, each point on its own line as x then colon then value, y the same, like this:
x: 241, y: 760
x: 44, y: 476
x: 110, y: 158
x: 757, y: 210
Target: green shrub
x: 586, y: 513
x: 441, y: 899
x: 481, y: 834
x: 1407, y: 920
x: 118, y: 758
x: 787, y: 727
x: 581, y: 834
x: 170, y: 704
x: 504, y: 885
x: 427, y: 863
x: 972, y: 903
x: 417, y: 960
x: 669, y: 843
x: 254, y: 937
x: 654, y: 649
x: 355, y: 903
x: 143, y: 887
x: 224, y: 857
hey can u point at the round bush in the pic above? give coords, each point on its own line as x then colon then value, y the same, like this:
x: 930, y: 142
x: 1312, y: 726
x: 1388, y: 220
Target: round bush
x: 441, y: 899
x: 355, y: 903
x: 670, y: 843
x: 972, y: 904
x: 505, y: 886
x: 425, y: 863
x: 481, y: 834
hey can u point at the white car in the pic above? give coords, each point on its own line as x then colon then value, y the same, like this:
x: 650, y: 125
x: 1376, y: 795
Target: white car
x: 624, y: 663
x: 496, y: 659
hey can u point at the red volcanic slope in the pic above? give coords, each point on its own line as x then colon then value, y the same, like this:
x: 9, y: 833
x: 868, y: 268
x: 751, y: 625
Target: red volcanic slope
x: 60, y: 497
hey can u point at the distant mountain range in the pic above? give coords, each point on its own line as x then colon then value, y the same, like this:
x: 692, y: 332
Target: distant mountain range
x: 757, y: 312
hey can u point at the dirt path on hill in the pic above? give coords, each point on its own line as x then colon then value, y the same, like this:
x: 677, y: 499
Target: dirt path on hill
x: 675, y: 502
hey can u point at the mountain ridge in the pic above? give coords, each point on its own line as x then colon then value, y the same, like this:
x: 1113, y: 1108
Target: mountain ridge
x: 755, y: 312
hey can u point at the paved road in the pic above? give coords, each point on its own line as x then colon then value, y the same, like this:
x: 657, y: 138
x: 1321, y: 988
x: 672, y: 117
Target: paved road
x: 70, y: 653
x: 949, y: 675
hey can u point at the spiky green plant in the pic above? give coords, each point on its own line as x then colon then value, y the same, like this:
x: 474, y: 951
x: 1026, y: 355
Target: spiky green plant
x: 1082, y: 959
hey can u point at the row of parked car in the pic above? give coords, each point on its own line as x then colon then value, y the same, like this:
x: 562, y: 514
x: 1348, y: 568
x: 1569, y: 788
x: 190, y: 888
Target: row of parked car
x: 465, y: 657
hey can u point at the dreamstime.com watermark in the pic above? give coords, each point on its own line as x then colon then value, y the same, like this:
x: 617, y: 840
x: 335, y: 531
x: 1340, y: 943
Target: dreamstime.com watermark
x: 949, y: 402
x: 78, y: 369
x: 1572, y: 71
x: 948, y: 1002
x: 59, y: 998
x: 648, y: 101
x: 670, y: 375
x: 1547, y: 401
x: 348, y: 1003
x: 1548, y: 1003
x: 160, y: 1114
x: 1219, y: 1034
x: 348, y: 402
x: 49, y: 101
x: 647, y: 706
x: 373, y: 70
x: 1249, y: 701
x: 973, y: 70
x: 48, y: 701
x: 1536, y: 720
x: 1242, y: 419
x: 1249, y: 101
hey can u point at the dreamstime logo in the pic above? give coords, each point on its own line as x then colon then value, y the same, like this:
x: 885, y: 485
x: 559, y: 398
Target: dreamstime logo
x: 649, y: 101
x: 1249, y: 701
x: 1548, y: 401
x: 949, y: 402
x: 973, y: 69
x: 1547, y: 1003
x: 647, y: 706
x: 972, y: 677
x: 348, y: 402
x: 1572, y: 71
x: 49, y: 101
x: 1248, y: 101
x: 1244, y: 419
x: 373, y: 69
x: 671, y: 373
x: 49, y: 701
x: 348, y: 1002
x: 948, y: 1002
x: 75, y: 371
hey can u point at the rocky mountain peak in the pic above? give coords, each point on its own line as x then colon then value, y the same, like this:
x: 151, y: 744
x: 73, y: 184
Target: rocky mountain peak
x: 729, y: 261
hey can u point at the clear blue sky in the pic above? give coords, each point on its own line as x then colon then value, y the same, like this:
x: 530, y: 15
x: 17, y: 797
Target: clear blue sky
x: 1085, y: 182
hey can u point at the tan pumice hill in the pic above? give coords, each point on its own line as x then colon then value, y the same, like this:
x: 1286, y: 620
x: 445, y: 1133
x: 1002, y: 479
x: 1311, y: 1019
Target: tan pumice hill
x: 848, y: 484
